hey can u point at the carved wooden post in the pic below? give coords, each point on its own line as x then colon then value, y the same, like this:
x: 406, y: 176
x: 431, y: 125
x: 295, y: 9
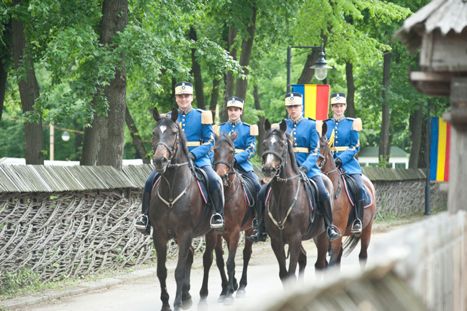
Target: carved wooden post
x: 457, y: 196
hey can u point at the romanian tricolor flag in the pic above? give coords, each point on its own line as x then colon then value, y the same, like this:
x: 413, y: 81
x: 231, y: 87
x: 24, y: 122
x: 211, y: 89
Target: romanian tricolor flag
x: 315, y: 99
x: 440, y: 146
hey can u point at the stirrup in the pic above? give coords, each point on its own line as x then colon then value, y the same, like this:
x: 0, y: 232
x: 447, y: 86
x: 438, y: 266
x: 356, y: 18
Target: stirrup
x: 356, y: 227
x: 141, y: 224
x: 333, y: 233
x: 216, y: 221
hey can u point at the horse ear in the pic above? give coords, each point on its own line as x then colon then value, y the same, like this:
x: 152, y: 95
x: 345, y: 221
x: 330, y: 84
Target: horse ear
x: 155, y: 114
x: 283, y: 126
x: 174, y: 114
x: 233, y: 136
x: 324, y: 129
x: 267, y: 125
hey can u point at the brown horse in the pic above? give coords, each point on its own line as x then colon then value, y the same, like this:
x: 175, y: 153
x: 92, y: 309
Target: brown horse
x: 177, y: 209
x: 237, y: 217
x: 287, y: 213
x: 341, y: 213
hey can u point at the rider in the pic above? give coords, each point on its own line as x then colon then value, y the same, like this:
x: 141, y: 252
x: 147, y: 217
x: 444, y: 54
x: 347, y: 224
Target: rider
x: 342, y: 133
x: 305, y: 143
x: 197, y: 127
x: 245, y: 143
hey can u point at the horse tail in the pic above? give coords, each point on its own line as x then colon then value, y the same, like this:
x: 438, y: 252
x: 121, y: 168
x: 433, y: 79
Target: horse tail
x: 350, y: 243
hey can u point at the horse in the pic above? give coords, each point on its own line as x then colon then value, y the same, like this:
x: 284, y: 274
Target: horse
x: 238, y: 217
x: 177, y: 209
x: 341, y: 213
x: 288, y: 216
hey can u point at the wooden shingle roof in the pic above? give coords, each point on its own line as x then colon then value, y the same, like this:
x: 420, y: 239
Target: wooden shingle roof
x: 40, y: 178
x: 442, y: 15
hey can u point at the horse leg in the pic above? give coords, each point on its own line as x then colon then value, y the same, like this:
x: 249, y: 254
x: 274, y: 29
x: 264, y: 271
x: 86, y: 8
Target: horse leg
x: 295, y: 247
x: 184, y: 244
x: 247, y: 250
x: 232, y: 244
x: 186, y: 297
x: 221, y: 267
x: 322, y: 243
x: 364, y: 243
x: 302, y: 260
x: 210, y: 240
x: 278, y: 248
x: 161, y: 250
x: 336, y: 252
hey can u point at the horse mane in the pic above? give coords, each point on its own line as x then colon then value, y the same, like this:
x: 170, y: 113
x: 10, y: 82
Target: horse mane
x: 225, y: 137
x: 291, y: 153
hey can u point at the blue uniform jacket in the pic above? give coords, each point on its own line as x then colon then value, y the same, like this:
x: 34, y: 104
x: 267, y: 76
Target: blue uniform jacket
x: 245, y: 143
x: 345, y: 144
x: 199, y: 136
x: 305, y: 142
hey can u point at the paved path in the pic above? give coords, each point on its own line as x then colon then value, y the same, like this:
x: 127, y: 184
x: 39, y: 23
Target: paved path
x: 140, y: 290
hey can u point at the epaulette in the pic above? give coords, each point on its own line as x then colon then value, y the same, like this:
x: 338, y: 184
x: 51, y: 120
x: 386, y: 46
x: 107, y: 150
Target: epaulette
x: 319, y: 127
x: 216, y: 129
x: 206, y: 116
x: 357, y: 124
x: 254, y: 130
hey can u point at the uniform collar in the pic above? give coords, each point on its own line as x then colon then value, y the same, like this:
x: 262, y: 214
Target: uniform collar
x: 236, y: 123
x: 187, y: 111
x: 338, y: 120
x: 297, y: 121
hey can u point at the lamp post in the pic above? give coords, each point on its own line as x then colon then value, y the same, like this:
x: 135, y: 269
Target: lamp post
x: 321, y: 68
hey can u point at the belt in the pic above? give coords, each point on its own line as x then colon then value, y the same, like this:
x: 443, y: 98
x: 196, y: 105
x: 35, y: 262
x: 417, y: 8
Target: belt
x: 239, y: 150
x: 338, y: 149
x: 193, y: 143
x: 301, y: 149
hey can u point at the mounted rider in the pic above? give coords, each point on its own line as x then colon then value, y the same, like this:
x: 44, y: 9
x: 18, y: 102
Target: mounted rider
x: 305, y: 144
x: 196, y: 124
x: 245, y: 141
x: 343, y: 137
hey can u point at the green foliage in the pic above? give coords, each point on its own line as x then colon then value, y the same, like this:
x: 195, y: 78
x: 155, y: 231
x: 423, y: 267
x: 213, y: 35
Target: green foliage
x: 11, y: 282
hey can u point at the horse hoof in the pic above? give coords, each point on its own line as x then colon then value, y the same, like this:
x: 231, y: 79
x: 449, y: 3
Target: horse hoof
x: 228, y: 300
x: 166, y: 308
x: 187, y: 304
x: 241, y: 293
x: 221, y: 298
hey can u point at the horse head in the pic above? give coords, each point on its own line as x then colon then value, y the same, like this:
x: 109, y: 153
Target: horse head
x: 224, y: 151
x: 325, y: 160
x: 275, y: 149
x: 165, y: 140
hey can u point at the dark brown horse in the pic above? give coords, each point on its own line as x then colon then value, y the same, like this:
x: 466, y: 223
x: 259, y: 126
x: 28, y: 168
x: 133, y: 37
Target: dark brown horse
x: 287, y: 215
x: 177, y: 209
x: 237, y: 218
x: 342, y: 208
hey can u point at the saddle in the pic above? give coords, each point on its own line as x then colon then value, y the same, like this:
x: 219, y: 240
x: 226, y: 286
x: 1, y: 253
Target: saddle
x: 202, y: 182
x: 249, y: 190
x: 351, y: 189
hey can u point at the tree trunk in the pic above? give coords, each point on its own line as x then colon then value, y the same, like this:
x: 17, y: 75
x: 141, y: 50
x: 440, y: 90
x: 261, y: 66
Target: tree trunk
x: 229, y: 80
x: 214, y: 97
x: 29, y: 92
x: 3, y: 78
x: 107, y: 133
x: 247, y: 46
x: 259, y: 145
x: 416, y: 124
x: 137, y: 142
x: 196, y: 69
x: 384, y: 143
x: 307, y: 73
x: 350, y: 90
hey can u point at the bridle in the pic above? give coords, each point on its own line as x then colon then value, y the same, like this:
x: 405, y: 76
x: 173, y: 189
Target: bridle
x: 231, y: 170
x: 282, y: 163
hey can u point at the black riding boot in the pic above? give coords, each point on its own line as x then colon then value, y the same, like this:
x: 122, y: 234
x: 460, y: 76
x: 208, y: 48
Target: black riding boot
x: 357, y: 225
x: 259, y: 234
x: 142, y: 222
x: 331, y: 230
x: 217, y: 218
